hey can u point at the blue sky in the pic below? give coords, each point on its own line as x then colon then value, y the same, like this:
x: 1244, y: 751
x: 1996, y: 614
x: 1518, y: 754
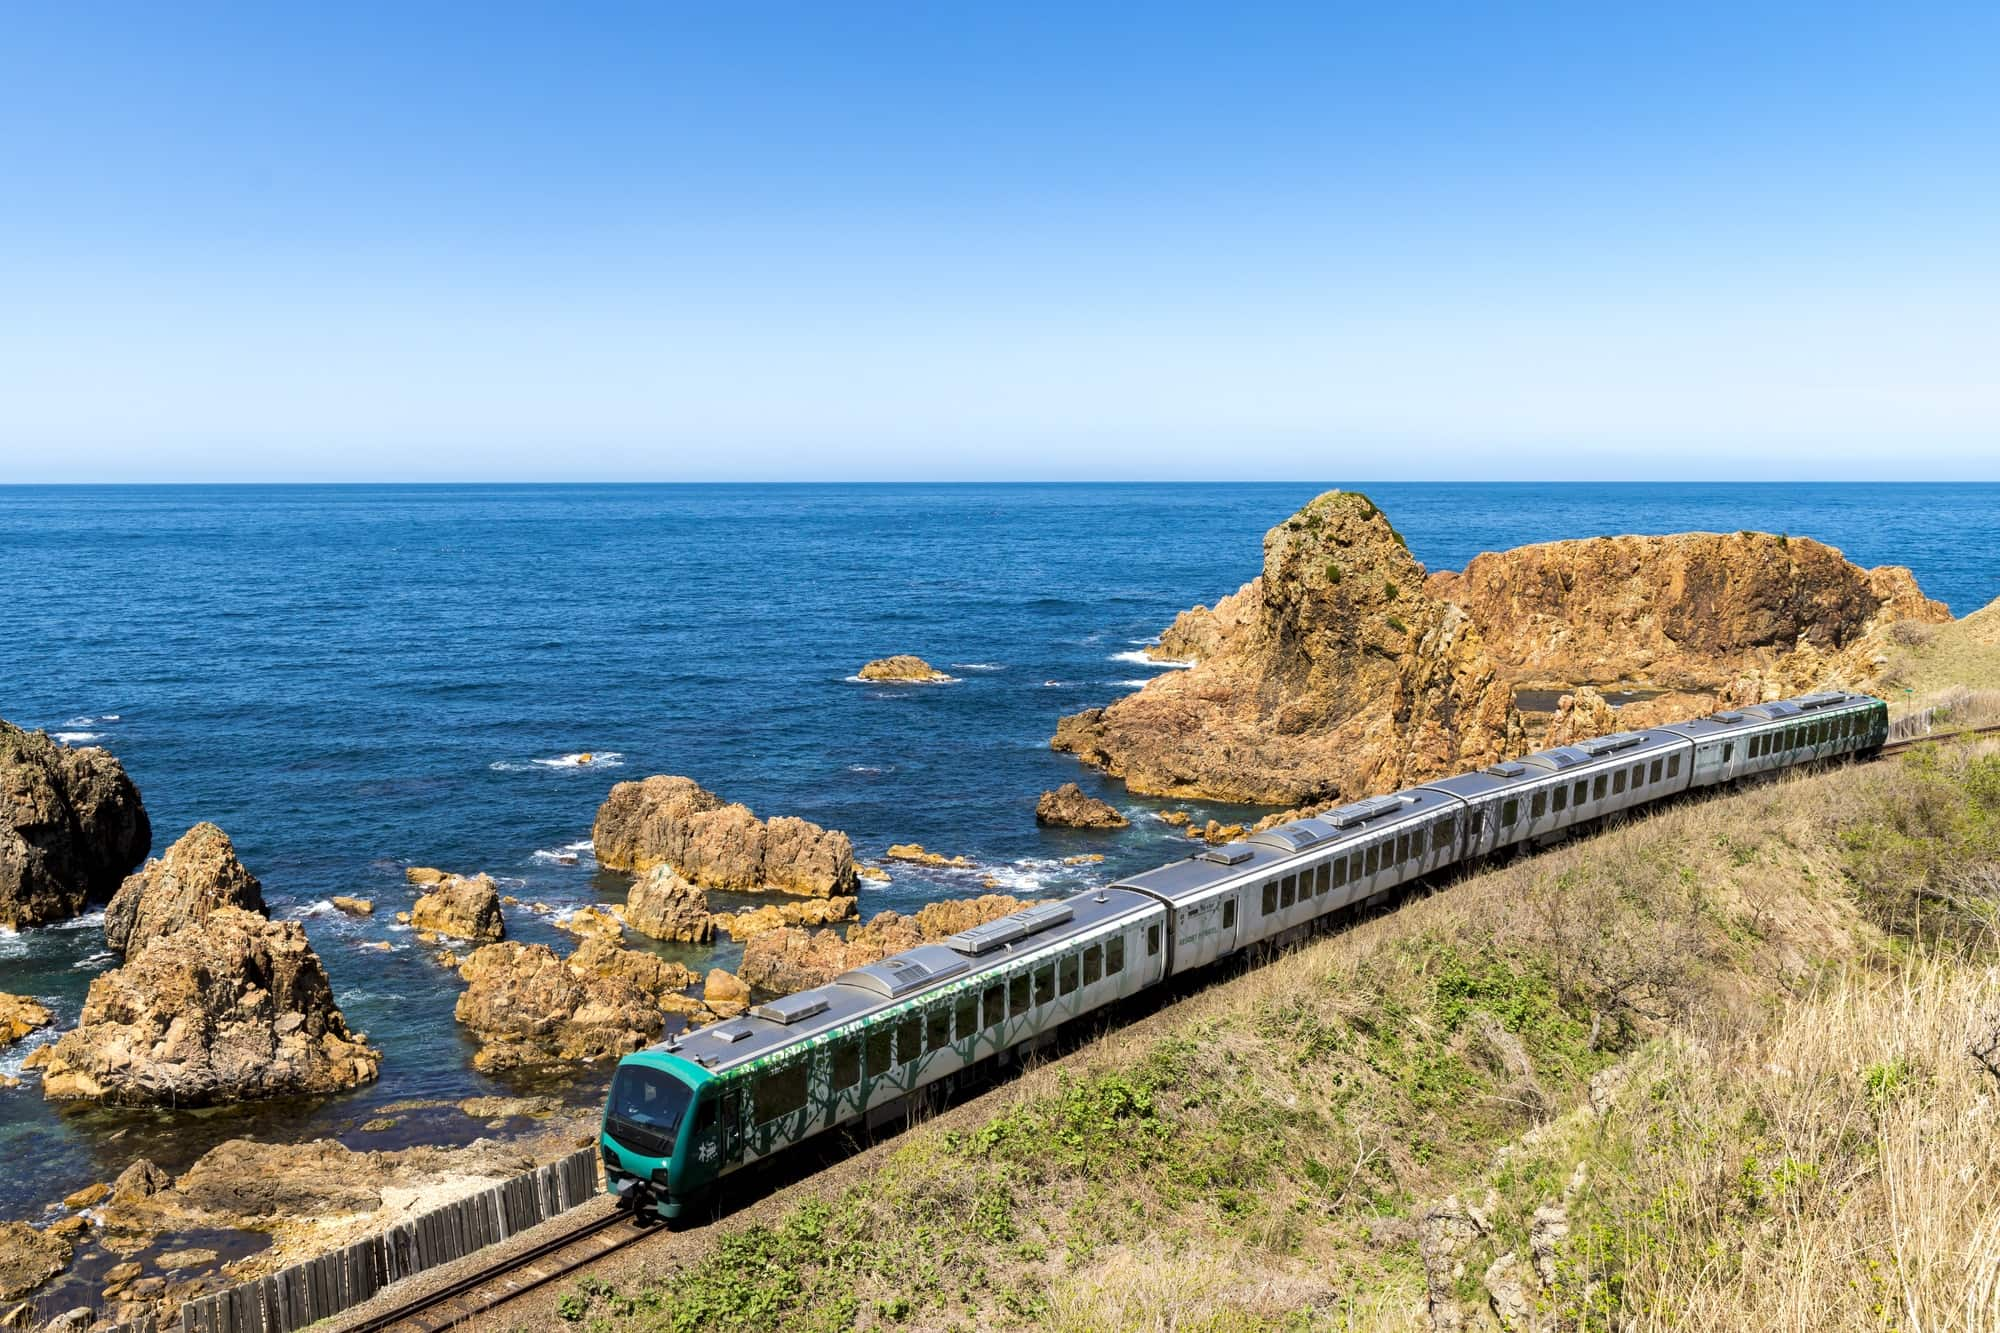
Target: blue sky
x: 721, y: 241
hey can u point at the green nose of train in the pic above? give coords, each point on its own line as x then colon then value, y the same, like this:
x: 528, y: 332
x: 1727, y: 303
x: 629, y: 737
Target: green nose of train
x: 659, y: 1137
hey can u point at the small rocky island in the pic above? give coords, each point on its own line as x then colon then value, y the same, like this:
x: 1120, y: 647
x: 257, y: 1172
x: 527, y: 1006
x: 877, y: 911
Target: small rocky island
x: 1069, y: 807
x: 673, y: 821
x: 72, y: 827
x: 904, y: 669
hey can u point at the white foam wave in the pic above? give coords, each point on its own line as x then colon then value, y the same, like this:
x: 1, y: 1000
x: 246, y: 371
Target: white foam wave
x: 863, y: 680
x: 1150, y: 641
x: 978, y: 666
x: 1141, y: 659
x: 560, y: 856
x: 94, y: 961
x: 111, y: 717
x: 871, y: 768
x: 88, y: 921
x: 1057, y: 684
x: 77, y: 737
x: 1136, y: 684
x: 585, y: 759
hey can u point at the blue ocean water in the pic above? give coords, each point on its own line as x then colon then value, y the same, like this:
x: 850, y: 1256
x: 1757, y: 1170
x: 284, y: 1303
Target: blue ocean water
x: 351, y: 679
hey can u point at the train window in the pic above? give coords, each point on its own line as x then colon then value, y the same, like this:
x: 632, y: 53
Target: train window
x: 1617, y: 782
x: 1653, y: 774
x: 1598, y: 787
x: 1340, y: 873
x: 968, y: 1015
x: 1539, y: 806
x: 1402, y: 848
x: 1017, y: 994
x: 1045, y: 975
x: 1354, y: 866
x: 1728, y: 751
x: 1093, y: 964
x: 1638, y: 776
x: 847, y: 1064
x: 1673, y: 765
x: 1510, y: 811
x: 937, y: 1029
x: 781, y: 1092
x: 1068, y: 974
x: 995, y: 1005
x: 1323, y: 877
x: 1288, y: 891
x: 1153, y: 931
x: 880, y: 1058
x: 1228, y: 921
x: 910, y: 1038
x: 1756, y: 747
x: 1581, y: 793
x: 1373, y: 861
x: 1562, y: 799
x: 1270, y: 897
x: 1114, y: 955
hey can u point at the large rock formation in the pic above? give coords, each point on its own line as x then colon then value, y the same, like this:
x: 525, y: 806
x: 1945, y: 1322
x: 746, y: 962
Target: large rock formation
x: 666, y: 907
x: 667, y: 820
x: 198, y: 874
x: 28, y: 1258
x: 1345, y: 669
x: 904, y: 668
x: 531, y: 1009
x: 229, y: 1008
x: 1068, y: 807
x: 1334, y: 673
x: 71, y: 826
x: 789, y: 958
x: 466, y: 907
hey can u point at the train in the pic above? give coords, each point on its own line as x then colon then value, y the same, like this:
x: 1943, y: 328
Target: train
x: 684, y: 1116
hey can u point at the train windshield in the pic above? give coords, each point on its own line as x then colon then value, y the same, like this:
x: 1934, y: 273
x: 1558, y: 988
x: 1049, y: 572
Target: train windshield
x: 649, y: 1099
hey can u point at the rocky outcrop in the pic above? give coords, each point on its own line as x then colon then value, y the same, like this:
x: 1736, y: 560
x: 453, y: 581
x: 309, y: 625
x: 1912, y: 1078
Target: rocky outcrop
x: 530, y: 1008
x: 725, y: 993
x: 666, y: 820
x: 904, y: 668
x: 1345, y: 669
x: 653, y: 975
x: 198, y: 875
x: 353, y: 906
x: 592, y: 923
x: 465, y: 907
x: 229, y: 1008
x: 662, y: 905
x: 772, y: 916
x: 914, y: 853
x: 28, y: 1258
x: 1068, y: 807
x: 788, y: 959
x: 71, y: 827
x: 1579, y: 717
x: 20, y: 1015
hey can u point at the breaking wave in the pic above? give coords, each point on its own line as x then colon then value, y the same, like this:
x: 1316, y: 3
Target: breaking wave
x: 1139, y: 658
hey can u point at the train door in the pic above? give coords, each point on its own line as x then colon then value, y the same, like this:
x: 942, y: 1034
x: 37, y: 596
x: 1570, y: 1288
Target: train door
x: 732, y: 1126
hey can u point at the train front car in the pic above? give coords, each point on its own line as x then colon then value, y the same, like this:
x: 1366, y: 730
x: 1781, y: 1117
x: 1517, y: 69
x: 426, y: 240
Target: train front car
x: 647, y: 1141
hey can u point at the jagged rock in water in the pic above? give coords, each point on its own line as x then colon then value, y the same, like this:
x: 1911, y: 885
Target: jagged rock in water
x: 20, y: 1015
x: 28, y: 1258
x: 667, y: 820
x: 904, y: 668
x: 664, y: 906
x: 592, y: 923
x: 198, y: 874
x: 653, y: 975
x: 914, y: 853
x: 771, y: 916
x: 1068, y: 807
x: 530, y: 1008
x: 71, y: 826
x: 227, y: 1009
x: 788, y: 959
x: 725, y: 993
x: 465, y: 907
x: 353, y: 906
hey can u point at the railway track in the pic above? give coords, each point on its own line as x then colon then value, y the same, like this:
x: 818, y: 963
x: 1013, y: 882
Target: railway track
x: 457, y: 1302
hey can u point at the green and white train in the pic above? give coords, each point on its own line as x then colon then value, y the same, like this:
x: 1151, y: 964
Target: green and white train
x: 685, y: 1115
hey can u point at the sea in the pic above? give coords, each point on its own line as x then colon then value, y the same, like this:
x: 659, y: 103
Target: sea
x: 354, y: 679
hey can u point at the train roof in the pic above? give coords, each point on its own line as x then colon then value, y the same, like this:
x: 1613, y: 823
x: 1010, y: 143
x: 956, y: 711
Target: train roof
x: 1732, y: 720
x: 859, y: 991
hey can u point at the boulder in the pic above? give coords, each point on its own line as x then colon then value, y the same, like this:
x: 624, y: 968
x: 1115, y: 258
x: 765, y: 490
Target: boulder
x: 592, y: 923
x: 71, y: 826
x: 28, y: 1258
x: 914, y: 853
x: 19, y: 1016
x: 530, y: 1009
x: 787, y: 959
x: 811, y: 912
x: 226, y: 1009
x: 198, y: 874
x: 466, y: 907
x: 662, y: 905
x: 1068, y: 807
x: 655, y: 976
x: 667, y: 820
x: 423, y: 876
x: 1579, y: 717
x: 725, y: 993
x: 353, y: 906
x: 904, y: 668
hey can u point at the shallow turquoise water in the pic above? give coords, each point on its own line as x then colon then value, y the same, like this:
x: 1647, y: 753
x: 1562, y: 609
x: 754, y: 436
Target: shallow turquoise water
x: 352, y: 679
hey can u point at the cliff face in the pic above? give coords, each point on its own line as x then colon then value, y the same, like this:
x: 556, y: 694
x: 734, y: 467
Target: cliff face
x: 1346, y: 669
x: 71, y: 827
x: 1334, y: 672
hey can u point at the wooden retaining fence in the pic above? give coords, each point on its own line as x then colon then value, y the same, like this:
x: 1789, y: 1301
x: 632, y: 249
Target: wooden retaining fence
x: 325, y: 1286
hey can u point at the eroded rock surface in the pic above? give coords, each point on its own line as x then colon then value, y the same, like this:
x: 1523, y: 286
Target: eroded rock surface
x: 71, y: 826
x: 811, y: 912
x: 662, y: 905
x: 1069, y: 807
x: 20, y: 1015
x: 197, y: 875
x: 1346, y: 669
x: 466, y: 907
x: 230, y: 1008
x: 672, y: 821
x: 789, y: 958
x: 530, y: 1008
x: 903, y: 667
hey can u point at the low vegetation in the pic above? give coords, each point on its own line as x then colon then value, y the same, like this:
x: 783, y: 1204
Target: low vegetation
x: 1718, y: 1068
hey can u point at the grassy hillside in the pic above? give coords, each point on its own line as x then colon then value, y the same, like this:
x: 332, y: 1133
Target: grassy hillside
x: 1709, y: 1070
